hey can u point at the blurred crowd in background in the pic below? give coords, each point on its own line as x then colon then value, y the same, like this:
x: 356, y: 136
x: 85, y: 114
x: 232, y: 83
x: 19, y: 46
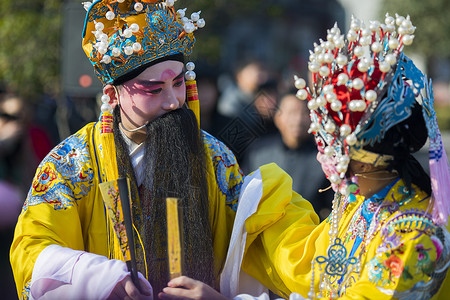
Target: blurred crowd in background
x: 245, y: 85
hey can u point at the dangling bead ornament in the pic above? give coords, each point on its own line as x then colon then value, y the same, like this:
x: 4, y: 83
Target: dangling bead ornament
x: 106, y: 117
x: 191, y: 90
x: 347, y: 78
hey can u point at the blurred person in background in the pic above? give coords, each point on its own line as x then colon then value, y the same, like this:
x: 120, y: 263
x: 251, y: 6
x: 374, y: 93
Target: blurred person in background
x: 23, y: 144
x: 249, y: 75
x: 294, y: 150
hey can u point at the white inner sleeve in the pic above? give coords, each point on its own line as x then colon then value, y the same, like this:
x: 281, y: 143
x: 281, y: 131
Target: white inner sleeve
x: 64, y: 273
x: 233, y: 280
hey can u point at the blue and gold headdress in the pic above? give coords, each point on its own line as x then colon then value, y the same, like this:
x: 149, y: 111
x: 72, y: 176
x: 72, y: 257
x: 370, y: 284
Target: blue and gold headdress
x: 120, y: 36
x: 363, y: 85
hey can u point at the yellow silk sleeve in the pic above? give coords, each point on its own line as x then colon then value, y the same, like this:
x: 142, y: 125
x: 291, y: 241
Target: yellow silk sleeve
x: 63, y: 207
x: 278, y: 234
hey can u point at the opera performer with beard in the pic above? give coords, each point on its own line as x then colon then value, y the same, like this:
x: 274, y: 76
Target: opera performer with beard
x: 65, y: 246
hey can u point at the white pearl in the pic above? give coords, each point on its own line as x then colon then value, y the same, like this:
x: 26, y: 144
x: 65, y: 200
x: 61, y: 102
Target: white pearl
x: 366, y: 32
x: 339, y: 42
x: 314, y: 127
x: 328, y: 57
x: 390, y: 59
x: 358, y: 51
x: 374, y: 26
x: 328, y: 45
x: 407, y: 23
x: 320, y: 101
x: 352, y: 105
x: 201, y: 23
x: 361, y: 105
x: 330, y: 127
x: 120, y: 1
x: 110, y: 15
x: 365, y: 41
x: 399, y: 20
x: 344, y: 191
x: 302, y: 94
x: 390, y: 28
x: 170, y: 3
x: 371, y: 95
x: 127, y: 33
x: 115, y: 51
x: 102, y: 49
x: 393, y: 43
x: 342, y: 168
x: 331, y: 97
x: 195, y: 16
x: 190, y: 75
x: 134, y: 27
x: 376, y: 47
x: 408, y: 39
x: 185, y: 20
x: 328, y: 151
x: 324, y: 71
x: 358, y: 83
x: 327, y: 89
x: 106, y: 59
x: 411, y: 30
x: 363, y: 66
x: 345, y: 130
x: 103, y: 37
x: 299, y: 83
x: 310, y: 295
x: 334, y: 178
x: 99, y: 26
x: 344, y: 159
x: 355, y: 24
x: 312, y: 56
x: 189, y: 27
x: 105, y: 107
x: 336, y: 105
x: 342, y: 78
x: 402, y: 30
x: 312, y: 104
x: 313, y: 67
x: 128, y: 50
x: 351, y: 139
x: 317, y: 48
x: 190, y: 66
x: 320, y: 57
x: 352, y: 36
x: 105, y: 98
x: 384, y: 66
x: 181, y: 12
x: 389, y: 20
x: 341, y: 60
x: 136, y: 47
x: 138, y: 6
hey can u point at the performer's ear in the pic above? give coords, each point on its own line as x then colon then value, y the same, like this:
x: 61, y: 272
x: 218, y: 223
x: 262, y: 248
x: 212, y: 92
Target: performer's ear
x: 113, y: 94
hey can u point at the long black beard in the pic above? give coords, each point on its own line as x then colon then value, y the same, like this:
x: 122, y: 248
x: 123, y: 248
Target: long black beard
x: 175, y: 166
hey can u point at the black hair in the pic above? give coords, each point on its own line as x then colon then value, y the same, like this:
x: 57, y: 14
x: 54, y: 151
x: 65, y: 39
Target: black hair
x: 134, y: 73
x: 401, y: 141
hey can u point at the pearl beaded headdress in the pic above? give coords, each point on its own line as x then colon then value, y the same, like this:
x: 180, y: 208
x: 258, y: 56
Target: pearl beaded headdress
x: 363, y: 86
x: 350, y: 77
x: 119, y: 36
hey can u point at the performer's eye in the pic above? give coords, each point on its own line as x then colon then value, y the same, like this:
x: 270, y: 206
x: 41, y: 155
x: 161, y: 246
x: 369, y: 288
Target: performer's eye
x: 155, y: 92
x: 178, y: 83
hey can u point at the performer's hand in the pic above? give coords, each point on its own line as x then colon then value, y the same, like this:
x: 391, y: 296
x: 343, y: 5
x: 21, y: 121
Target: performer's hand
x: 126, y: 289
x: 187, y: 288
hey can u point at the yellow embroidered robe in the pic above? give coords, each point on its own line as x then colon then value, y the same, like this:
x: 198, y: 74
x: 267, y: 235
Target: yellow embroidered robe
x: 405, y: 254
x: 64, y: 205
